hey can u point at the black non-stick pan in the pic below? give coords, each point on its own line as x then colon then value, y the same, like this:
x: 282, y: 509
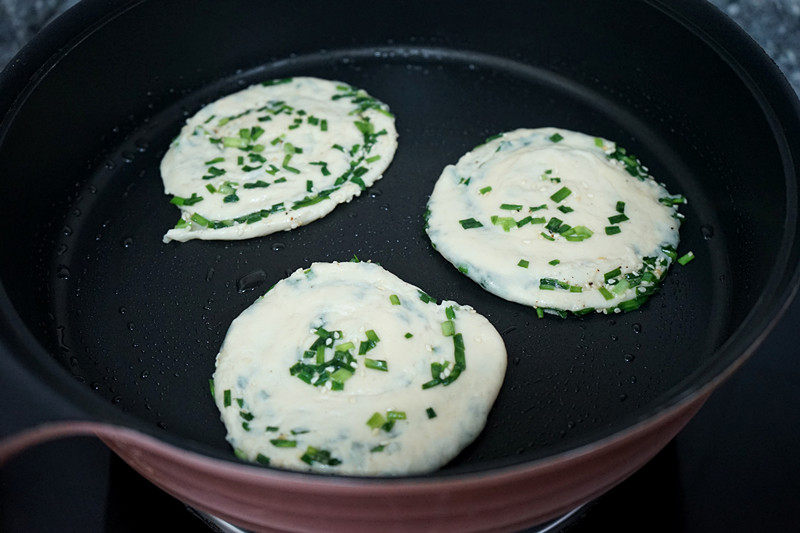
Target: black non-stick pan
x: 102, y: 322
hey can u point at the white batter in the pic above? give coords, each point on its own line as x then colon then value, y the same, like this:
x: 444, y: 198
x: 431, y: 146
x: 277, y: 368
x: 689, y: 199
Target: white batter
x: 386, y: 411
x: 275, y: 156
x: 557, y: 220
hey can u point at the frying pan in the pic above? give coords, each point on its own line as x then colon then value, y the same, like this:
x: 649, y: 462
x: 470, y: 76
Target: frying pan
x: 106, y: 330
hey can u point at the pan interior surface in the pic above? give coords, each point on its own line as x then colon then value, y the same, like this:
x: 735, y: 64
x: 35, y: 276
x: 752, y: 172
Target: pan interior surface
x: 141, y: 322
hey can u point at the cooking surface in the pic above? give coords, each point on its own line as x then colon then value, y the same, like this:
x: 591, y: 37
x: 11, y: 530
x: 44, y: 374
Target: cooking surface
x: 141, y: 321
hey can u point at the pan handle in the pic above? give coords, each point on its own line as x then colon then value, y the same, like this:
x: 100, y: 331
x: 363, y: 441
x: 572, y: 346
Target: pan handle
x: 32, y: 411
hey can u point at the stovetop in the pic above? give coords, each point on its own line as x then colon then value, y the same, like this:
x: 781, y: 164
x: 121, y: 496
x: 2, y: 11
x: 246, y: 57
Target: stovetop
x: 735, y: 467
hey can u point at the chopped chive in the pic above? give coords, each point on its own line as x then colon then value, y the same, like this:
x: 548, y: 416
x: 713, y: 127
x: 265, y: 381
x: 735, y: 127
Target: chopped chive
x: 372, y: 159
x: 554, y: 262
x: 511, y: 207
x: 620, y: 207
x: 262, y: 459
x: 396, y: 415
x: 606, y: 294
x: 240, y: 402
x: 394, y: 299
x: 523, y: 263
x: 338, y: 147
x: 686, y: 258
x: 341, y: 375
x: 612, y: 230
x: 284, y: 443
x: 598, y: 142
x: 256, y: 184
x: 553, y: 224
x: 378, y: 448
x: 565, y: 209
x: 611, y: 274
x: 309, y: 185
x: 576, y: 234
x: 505, y: 222
x: 226, y: 398
x: 376, y: 364
x: 431, y: 413
x: 463, y: 269
x: 548, y: 237
x: 538, y: 220
x: 234, y: 142
x: 210, y: 188
x: 616, y: 219
x: 323, y: 125
x: 556, y: 137
x: 673, y: 200
x: 469, y: 223
x: 240, y: 454
x: 211, y: 386
x: 560, y: 194
x: 538, y: 207
x: 409, y: 335
x: 344, y: 347
x: 376, y: 420
x: 371, y: 335
x: 272, y: 428
x: 448, y: 328
x: 215, y: 160
x: 485, y: 190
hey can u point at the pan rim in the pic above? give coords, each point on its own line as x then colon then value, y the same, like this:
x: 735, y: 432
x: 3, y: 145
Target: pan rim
x: 741, y: 54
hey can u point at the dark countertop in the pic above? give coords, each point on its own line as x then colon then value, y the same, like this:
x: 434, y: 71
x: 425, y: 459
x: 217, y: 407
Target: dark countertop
x: 734, y: 468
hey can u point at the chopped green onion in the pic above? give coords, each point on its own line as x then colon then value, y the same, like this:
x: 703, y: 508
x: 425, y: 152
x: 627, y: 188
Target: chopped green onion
x: 612, y: 230
x: 469, y: 223
x: 234, y: 142
x: 510, y: 207
x: 396, y: 415
x: 226, y: 398
x: 548, y: 237
x: 431, y: 412
x: 505, y: 222
x: 616, y: 219
x: 539, y: 312
x: 409, y: 335
x: 283, y: 443
x: 394, y: 299
x: 565, y: 209
x: 215, y: 160
x: 524, y: 221
x: 376, y: 420
x: 341, y: 375
x: 560, y: 194
x: 262, y: 459
x: 313, y: 455
x: 538, y: 220
x: 553, y: 224
x: 556, y: 137
x: 376, y: 364
x: 537, y: 208
x: 344, y: 347
x: 450, y: 313
x: 485, y: 190
x: 620, y: 207
x: 686, y: 258
x: 378, y: 448
x: 606, y: 294
x: 611, y: 274
x: 598, y: 142
x: 523, y: 263
x: 272, y: 428
x: 425, y: 297
x: 448, y: 328
x: 554, y: 262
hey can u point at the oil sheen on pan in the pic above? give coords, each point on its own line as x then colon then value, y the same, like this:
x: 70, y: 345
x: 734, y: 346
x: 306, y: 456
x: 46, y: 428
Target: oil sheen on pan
x: 275, y: 156
x: 557, y: 220
x: 345, y: 368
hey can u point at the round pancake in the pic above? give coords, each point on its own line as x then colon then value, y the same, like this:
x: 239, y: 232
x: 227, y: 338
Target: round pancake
x: 345, y: 368
x: 275, y: 156
x: 557, y: 220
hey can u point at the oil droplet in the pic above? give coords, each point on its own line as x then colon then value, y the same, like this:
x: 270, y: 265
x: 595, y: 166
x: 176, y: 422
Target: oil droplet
x: 278, y: 246
x: 62, y: 272
x: 62, y: 249
x: 116, y: 399
x: 251, y: 281
x: 210, y: 273
x: 384, y: 207
x: 145, y: 374
x: 629, y: 357
x: 110, y: 164
x: 76, y: 212
x: 95, y: 385
x: 122, y: 310
x: 517, y: 360
x: 637, y: 328
x: 92, y: 189
x: 127, y: 242
x: 130, y: 326
x: 633, y: 379
x: 67, y: 231
x: 623, y: 397
x: 127, y: 157
x: 614, y: 337
x: 707, y: 231
x: 374, y: 193
x: 142, y: 145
